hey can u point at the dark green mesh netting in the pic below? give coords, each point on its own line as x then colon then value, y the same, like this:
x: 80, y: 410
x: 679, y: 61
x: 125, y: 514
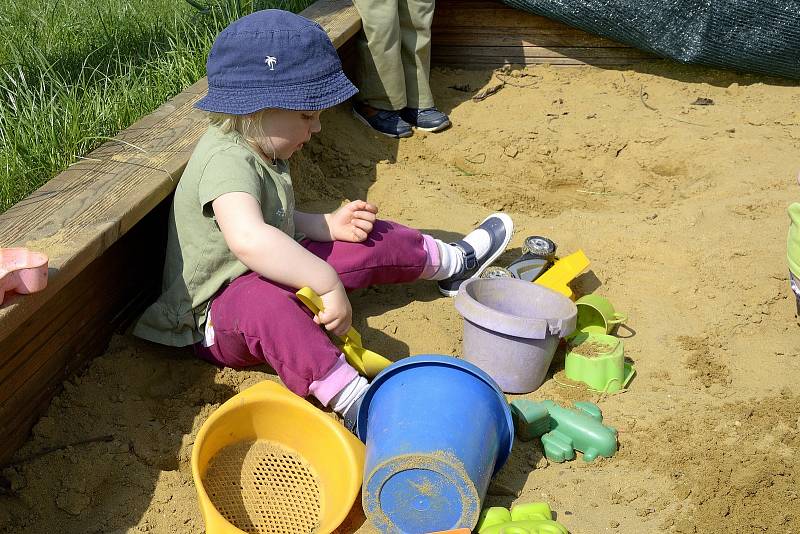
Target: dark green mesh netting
x: 760, y: 36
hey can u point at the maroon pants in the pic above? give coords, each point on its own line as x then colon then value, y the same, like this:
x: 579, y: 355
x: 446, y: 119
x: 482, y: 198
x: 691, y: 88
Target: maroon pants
x: 257, y: 321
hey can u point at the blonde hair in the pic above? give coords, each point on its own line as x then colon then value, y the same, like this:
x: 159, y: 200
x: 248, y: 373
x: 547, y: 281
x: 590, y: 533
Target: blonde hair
x: 248, y: 126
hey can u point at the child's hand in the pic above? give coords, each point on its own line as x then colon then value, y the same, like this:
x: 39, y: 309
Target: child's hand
x: 352, y: 222
x: 337, y: 314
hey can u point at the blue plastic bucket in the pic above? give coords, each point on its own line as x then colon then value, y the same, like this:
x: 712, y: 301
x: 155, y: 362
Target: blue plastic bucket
x: 437, y: 428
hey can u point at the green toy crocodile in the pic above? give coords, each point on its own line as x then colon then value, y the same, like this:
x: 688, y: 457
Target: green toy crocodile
x: 563, y: 430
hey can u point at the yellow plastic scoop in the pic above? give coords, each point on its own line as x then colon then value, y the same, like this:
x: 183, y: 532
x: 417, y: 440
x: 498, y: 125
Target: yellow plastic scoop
x: 365, y: 361
x: 564, y: 271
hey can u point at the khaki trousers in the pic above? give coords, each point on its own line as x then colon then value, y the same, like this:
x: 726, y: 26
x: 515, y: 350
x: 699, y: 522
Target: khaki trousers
x: 394, y: 53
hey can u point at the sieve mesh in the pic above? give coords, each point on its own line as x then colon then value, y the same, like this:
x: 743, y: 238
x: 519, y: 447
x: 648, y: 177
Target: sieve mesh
x: 263, y: 487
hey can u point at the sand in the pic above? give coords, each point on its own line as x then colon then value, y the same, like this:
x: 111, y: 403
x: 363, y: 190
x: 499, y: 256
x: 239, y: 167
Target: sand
x: 679, y: 206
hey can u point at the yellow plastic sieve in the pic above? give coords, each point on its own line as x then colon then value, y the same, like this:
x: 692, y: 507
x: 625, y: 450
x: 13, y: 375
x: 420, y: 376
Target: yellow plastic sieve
x: 267, y: 461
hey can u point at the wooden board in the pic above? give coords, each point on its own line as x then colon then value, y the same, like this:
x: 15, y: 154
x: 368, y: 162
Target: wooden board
x: 339, y: 18
x: 90, y: 308
x: 101, y: 226
x: 486, y: 33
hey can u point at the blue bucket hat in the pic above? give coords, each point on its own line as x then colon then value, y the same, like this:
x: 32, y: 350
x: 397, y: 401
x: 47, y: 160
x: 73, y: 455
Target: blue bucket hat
x: 274, y: 59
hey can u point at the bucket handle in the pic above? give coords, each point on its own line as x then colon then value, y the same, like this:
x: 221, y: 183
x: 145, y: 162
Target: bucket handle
x: 618, y: 318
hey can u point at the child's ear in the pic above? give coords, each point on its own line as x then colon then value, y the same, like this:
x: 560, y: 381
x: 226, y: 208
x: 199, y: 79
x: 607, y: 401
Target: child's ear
x: 798, y: 178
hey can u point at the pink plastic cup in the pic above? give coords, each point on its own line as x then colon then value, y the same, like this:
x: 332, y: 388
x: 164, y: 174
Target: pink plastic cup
x: 22, y: 271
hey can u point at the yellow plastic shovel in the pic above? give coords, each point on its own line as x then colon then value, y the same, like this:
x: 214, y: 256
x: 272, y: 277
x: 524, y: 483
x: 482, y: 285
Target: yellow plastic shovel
x: 365, y: 361
x: 564, y: 271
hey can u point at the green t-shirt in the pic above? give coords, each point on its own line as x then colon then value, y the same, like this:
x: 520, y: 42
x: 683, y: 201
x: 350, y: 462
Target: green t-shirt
x: 198, y: 261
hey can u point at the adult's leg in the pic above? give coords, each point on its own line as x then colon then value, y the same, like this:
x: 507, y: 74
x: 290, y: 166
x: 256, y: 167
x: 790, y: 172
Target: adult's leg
x: 416, y: 18
x: 380, y: 78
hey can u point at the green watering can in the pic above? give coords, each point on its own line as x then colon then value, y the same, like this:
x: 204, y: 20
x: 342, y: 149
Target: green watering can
x: 365, y: 361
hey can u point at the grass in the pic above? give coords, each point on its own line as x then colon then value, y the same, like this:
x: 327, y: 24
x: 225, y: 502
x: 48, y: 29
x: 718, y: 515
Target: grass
x: 73, y: 72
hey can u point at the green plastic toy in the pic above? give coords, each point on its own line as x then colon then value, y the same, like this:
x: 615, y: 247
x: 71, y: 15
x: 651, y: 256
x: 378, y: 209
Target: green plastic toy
x: 793, y: 239
x: 596, y: 315
x: 531, y: 518
x: 531, y: 419
x: 605, y: 370
x: 565, y: 430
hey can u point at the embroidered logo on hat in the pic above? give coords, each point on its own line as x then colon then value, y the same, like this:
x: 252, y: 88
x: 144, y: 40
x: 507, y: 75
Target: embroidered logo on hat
x: 271, y: 61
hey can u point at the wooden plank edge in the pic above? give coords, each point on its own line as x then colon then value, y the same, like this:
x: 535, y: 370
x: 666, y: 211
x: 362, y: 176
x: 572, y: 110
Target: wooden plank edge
x: 458, y: 63
x: 538, y: 52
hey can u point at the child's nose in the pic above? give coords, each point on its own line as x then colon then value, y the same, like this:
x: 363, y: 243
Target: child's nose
x: 316, y: 126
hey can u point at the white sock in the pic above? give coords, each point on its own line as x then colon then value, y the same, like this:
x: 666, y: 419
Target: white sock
x: 480, y: 240
x: 342, y: 401
x: 452, y: 259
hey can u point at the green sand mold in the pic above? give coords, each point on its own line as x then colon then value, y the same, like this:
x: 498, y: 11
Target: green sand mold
x: 529, y: 518
x: 603, y: 370
x: 564, y: 430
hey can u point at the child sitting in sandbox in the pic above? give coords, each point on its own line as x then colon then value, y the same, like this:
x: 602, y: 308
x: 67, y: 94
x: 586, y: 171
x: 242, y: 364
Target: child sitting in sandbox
x: 237, y: 250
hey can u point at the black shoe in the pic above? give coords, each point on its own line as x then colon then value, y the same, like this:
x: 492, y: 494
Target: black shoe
x: 500, y: 228
x: 384, y: 121
x: 428, y: 119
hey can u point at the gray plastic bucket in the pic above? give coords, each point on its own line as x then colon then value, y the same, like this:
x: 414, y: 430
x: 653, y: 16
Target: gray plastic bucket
x: 512, y: 328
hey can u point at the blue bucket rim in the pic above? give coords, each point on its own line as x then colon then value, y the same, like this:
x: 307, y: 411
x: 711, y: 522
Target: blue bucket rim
x: 448, y: 361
